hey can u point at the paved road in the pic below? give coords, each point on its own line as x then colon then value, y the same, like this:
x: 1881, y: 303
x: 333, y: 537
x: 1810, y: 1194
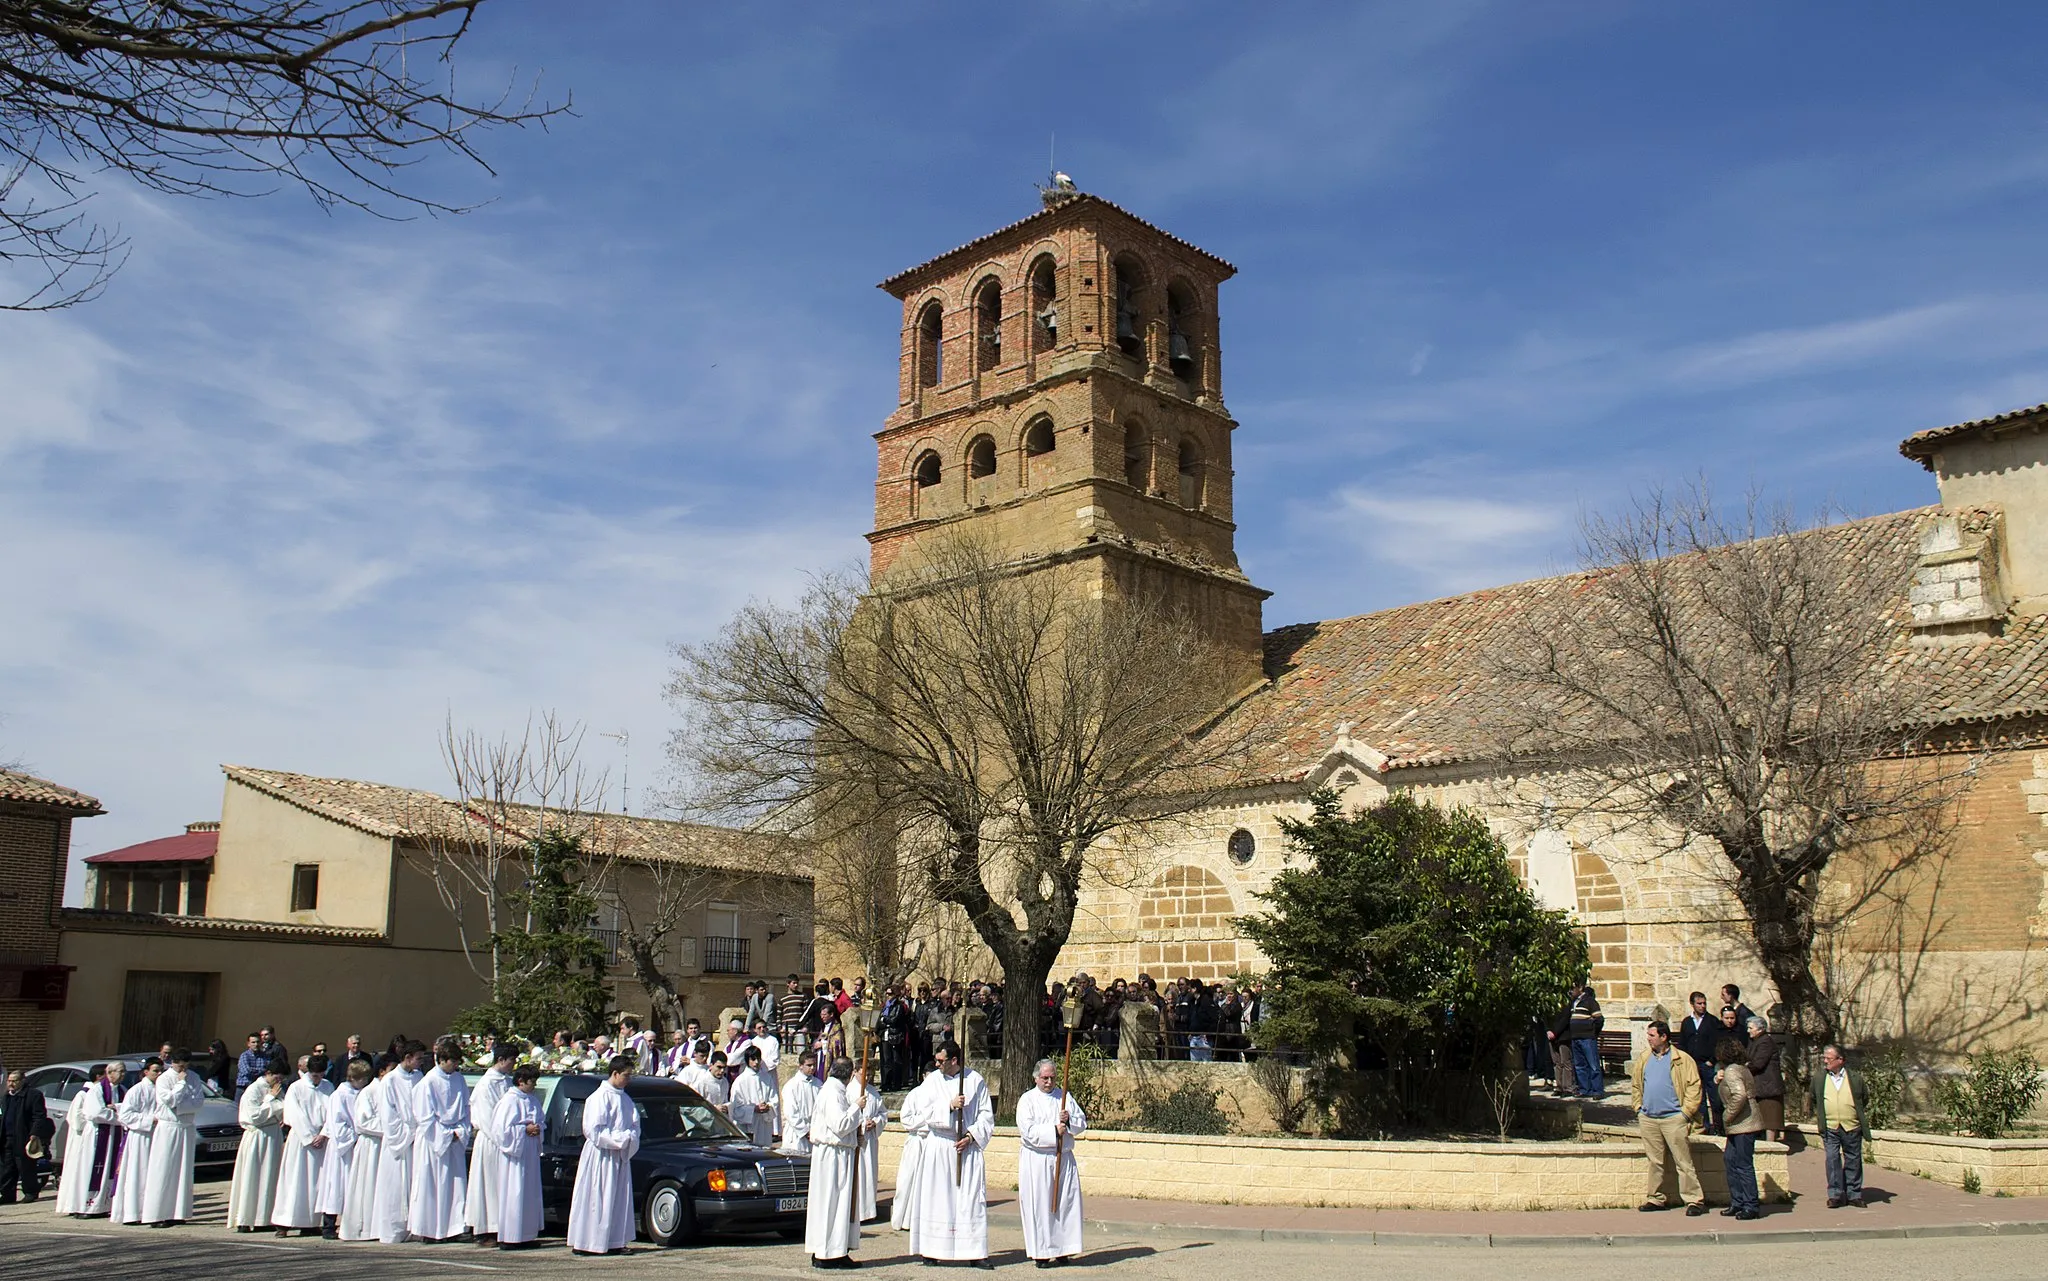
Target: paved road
x: 35, y: 1243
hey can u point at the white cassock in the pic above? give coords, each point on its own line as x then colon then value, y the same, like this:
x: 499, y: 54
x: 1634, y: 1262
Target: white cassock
x: 485, y: 1160
x: 799, y: 1101
x: 108, y: 1132
x: 1048, y: 1234
x: 951, y: 1218
x: 707, y: 1083
x: 167, y: 1195
x: 440, y: 1168
x: 81, y: 1129
x: 519, y: 1210
x: 359, y: 1204
x: 601, y: 1207
x: 254, y: 1190
x: 903, y: 1198
x: 298, y: 1175
x: 871, y: 1155
x: 332, y: 1195
x: 394, y: 1169
x: 138, y: 1117
x: 829, y: 1229
x: 749, y: 1092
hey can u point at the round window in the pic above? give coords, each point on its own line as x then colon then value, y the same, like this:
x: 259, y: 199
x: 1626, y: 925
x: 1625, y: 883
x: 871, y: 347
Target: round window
x: 1242, y: 846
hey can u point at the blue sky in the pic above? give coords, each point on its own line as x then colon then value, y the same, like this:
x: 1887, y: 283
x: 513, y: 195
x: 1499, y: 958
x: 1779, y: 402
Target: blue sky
x: 300, y: 486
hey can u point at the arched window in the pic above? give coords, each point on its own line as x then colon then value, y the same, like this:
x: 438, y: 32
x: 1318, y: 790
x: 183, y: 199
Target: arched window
x: 925, y: 472
x: 1137, y: 458
x: 1045, y: 312
x: 1038, y: 438
x: 1190, y: 476
x: 981, y: 458
x: 1129, y: 279
x: 928, y: 345
x: 988, y: 323
x: 1182, y: 350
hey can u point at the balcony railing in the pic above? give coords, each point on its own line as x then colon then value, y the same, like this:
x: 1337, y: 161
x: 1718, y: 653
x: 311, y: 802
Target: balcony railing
x: 610, y: 940
x: 727, y: 956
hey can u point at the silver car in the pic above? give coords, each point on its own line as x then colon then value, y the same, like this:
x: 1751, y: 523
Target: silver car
x: 220, y: 1126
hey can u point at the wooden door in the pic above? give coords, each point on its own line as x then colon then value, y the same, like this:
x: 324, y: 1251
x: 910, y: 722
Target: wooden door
x: 163, y: 1005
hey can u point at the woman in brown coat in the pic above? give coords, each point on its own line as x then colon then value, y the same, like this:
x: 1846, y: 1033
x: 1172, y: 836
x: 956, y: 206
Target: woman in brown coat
x: 1739, y: 1121
x: 1769, y: 1075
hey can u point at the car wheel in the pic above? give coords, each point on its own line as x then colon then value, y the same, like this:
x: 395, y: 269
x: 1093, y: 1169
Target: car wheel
x: 667, y: 1214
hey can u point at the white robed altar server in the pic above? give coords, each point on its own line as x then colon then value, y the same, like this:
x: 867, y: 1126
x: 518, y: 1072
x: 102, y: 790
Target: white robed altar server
x: 107, y: 1141
x: 440, y: 1169
x: 903, y: 1200
x: 485, y: 1159
x: 253, y: 1192
x: 394, y: 1169
x: 138, y: 1117
x: 830, y: 1233
x: 515, y: 1130
x: 702, y: 1079
x: 876, y: 1113
x: 81, y: 1130
x: 174, y: 1144
x: 754, y: 1101
x: 359, y: 1205
x: 799, y: 1101
x: 331, y: 1198
x: 305, y: 1149
x: 949, y: 1118
x: 1048, y: 1122
x: 601, y: 1207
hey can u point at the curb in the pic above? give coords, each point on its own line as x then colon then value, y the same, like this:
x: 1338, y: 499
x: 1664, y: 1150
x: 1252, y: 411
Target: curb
x: 1517, y: 1241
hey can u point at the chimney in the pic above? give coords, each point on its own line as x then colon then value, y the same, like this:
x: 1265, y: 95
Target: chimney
x: 1991, y: 542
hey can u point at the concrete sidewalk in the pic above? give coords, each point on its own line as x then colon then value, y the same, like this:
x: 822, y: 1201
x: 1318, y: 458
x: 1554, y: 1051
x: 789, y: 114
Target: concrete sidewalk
x: 1898, y: 1206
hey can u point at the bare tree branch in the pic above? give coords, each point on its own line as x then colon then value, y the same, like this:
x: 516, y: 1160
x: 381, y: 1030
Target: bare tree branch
x: 223, y: 97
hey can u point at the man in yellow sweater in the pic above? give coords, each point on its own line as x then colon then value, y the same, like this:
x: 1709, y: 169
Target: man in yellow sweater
x: 1665, y: 1088
x: 1841, y: 1112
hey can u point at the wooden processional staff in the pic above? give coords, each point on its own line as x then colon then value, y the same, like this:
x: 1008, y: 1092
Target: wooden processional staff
x: 1070, y: 1014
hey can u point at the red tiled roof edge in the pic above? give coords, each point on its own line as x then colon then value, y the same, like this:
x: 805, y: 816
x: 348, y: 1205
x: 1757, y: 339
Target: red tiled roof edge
x: 1047, y: 213
x: 1921, y: 445
x: 148, y: 922
x: 27, y: 789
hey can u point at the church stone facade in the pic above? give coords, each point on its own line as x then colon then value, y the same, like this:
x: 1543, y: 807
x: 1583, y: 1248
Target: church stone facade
x: 1061, y: 396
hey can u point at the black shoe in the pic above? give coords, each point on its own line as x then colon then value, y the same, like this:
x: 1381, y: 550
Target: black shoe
x: 986, y: 1265
x: 1729, y: 1212
x: 819, y: 1263
x: 1747, y: 1215
x: 1834, y: 1203
x: 1855, y: 1202
x: 1695, y: 1210
x: 1648, y: 1207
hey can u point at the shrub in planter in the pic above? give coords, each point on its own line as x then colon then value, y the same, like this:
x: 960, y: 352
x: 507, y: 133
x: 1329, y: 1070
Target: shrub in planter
x: 1999, y: 1089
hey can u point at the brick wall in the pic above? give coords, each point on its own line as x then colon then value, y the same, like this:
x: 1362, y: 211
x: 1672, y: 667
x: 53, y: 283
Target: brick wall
x: 35, y: 844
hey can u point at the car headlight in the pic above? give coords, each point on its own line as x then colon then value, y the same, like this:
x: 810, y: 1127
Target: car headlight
x: 734, y: 1180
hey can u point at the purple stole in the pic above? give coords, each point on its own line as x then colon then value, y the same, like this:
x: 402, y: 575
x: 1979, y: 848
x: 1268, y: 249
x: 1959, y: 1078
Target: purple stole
x: 106, y: 1145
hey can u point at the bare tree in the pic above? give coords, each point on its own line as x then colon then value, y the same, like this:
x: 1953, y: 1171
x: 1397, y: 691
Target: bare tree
x: 222, y: 97
x: 1013, y: 722
x: 1728, y: 688
x: 475, y: 849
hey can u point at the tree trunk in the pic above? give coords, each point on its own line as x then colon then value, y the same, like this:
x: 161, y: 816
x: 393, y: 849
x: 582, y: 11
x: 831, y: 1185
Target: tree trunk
x: 1782, y: 927
x: 667, y: 1003
x: 1024, y: 990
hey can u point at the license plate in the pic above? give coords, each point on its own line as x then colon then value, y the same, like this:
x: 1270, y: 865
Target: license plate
x: 792, y: 1203
x: 220, y: 1145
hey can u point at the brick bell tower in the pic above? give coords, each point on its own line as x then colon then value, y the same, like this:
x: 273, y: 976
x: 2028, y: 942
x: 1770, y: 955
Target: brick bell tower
x: 1061, y: 394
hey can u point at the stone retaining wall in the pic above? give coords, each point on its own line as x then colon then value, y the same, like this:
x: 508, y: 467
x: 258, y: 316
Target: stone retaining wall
x: 1438, y: 1176
x: 2016, y: 1167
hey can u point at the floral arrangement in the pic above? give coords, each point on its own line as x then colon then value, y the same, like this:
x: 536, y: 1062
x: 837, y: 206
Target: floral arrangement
x: 577, y: 1056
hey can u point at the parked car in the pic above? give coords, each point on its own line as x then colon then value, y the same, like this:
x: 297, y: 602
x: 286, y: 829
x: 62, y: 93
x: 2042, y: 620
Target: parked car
x: 696, y: 1171
x: 220, y: 1126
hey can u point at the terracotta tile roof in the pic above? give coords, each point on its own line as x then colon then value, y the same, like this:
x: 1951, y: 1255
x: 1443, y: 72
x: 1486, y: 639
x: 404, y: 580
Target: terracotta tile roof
x: 1414, y: 684
x: 30, y: 790
x: 1922, y: 445
x: 151, y: 922
x: 894, y: 284
x: 403, y: 812
x: 186, y: 847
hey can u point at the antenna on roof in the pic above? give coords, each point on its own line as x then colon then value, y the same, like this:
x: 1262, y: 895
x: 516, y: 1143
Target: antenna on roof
x: 625, y: 741
x: 1058, y: 187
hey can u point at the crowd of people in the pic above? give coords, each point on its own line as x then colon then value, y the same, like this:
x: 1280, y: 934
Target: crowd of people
x: 400, y: 1146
